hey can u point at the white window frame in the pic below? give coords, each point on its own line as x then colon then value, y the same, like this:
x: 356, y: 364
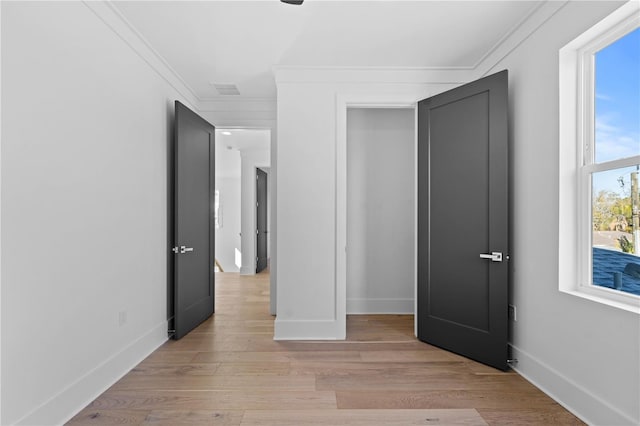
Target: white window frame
x: 577, y: 124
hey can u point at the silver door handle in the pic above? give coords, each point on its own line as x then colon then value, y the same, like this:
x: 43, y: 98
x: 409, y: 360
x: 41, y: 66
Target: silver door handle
x: 184, y: 249
x: 495, y: 256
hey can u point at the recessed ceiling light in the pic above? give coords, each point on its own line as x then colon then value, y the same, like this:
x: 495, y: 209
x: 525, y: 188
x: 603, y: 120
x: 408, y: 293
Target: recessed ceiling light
x: 226, y: 133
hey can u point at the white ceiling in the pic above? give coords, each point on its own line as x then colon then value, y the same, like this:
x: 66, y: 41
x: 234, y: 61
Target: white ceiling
x: 229, y: 144
x: 239, y: 42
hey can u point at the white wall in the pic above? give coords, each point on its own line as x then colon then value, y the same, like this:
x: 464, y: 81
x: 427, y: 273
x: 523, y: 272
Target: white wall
x: 86, y: 128
x: 584, y: 354
x: 228, y: 235
x: 380, y: 210
x: 310, y: 302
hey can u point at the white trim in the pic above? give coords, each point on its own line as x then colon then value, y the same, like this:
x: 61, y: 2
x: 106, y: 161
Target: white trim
x: 517, y: 35
x: 342, y: 103
x: 0, y: 217
x: 380, y: 306
x: 308, y: 330
x: 584, y: 404
x: 268, y: 105
x: 612, y: 165
x: 71, y: 400
x: 415, y: 223
x: 575, y: 110
x: 115, y: 20
x: 246, y: 270
x: 365, y: 75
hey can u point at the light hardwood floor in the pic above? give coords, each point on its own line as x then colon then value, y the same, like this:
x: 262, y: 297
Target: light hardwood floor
x: 230, y: 371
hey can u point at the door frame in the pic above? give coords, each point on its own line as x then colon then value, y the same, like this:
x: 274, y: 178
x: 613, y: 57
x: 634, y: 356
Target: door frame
x: 344, y: 102
x: 248, y: 221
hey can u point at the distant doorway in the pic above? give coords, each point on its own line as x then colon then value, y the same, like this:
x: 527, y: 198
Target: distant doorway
x: 381, y: 208
x: 261, y: 220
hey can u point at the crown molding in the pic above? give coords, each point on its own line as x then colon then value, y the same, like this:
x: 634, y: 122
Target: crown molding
x: 254, y: 105
x: 517, y: 35
x: 285, y: 74
x: 529, y: 24
x: 292, y: 74
x: 115, y: 20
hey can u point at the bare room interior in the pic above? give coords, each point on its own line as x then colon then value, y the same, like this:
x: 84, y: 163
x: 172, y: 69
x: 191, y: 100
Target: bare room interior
x: 320, y: 212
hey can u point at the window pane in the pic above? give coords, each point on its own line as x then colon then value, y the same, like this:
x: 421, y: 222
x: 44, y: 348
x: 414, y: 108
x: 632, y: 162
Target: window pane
x: 617, y: 99
x: 616, y: 232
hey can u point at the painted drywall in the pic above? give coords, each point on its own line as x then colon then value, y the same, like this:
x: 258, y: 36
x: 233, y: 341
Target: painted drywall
x: 228, y: 234
x: 87, y: 124
x: 273, y: 235
x: 307, y: 190
x: 380, y: 210
x: 583, y: 353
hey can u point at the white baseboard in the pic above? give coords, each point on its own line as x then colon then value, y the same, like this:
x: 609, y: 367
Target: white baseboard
x: 246, y: 270
x: 307, y: 330
x: 380, y: 306
x: 71, y: 400
x: 580, y: 401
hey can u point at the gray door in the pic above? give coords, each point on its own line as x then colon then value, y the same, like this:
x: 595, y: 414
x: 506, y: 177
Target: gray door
x: 193, y: 243
x: 261, y: 220
x: 463, y: 220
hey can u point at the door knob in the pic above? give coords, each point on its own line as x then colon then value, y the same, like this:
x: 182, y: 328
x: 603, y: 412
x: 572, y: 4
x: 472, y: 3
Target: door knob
x: 495, y: 256
x: 181, y: 249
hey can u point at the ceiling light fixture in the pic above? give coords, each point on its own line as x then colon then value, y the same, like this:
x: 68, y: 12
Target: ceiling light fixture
x: 296, y: 2
x: 226, y: 133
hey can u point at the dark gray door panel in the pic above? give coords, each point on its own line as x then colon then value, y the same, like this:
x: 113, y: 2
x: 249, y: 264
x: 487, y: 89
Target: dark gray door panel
x: 261, y: 220
x: 463, y: 213
x: 193, y: 215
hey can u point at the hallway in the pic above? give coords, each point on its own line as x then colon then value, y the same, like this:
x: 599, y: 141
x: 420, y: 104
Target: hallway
x: 229, y: 371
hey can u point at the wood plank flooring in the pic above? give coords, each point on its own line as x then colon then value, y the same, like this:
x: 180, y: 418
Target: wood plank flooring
x: 230, y: 371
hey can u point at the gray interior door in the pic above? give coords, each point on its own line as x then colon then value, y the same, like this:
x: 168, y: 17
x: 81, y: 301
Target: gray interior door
x: 261, y: 220
x: 193, y: 243
x: 463, y: 220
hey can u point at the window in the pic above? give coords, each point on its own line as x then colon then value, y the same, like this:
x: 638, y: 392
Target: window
x: 611, y: 164
x: 600, y: 119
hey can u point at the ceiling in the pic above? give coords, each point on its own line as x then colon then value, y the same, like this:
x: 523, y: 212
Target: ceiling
x: 239, y: 42
x: 231, y: 142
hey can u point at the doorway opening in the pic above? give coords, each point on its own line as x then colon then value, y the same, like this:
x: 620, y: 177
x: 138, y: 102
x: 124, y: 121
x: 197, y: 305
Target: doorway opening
x: 380, y: 221
x: 262, y: 219
x: 239, y: 153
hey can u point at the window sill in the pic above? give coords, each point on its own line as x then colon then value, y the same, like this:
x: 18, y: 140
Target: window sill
x: 605, y: 296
